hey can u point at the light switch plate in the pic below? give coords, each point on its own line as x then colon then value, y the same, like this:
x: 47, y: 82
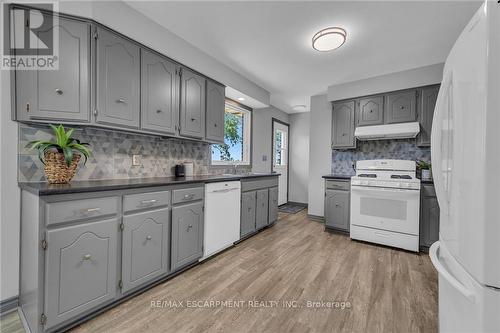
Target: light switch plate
x: 264, y: 158
x: 136, y: 160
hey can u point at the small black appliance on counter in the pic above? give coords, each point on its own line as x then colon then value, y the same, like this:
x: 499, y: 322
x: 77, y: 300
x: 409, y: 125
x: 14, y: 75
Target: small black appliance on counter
x: 179, y: 170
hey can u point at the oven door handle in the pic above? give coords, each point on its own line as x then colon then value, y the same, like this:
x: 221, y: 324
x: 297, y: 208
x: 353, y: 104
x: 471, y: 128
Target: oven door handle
x: 385, y: 191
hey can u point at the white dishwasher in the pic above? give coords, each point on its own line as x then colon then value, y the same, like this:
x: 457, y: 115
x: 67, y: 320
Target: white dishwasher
x: 222, y: 216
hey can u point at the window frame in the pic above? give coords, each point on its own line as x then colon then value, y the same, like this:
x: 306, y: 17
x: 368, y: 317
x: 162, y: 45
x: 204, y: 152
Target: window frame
x: 247, y: 136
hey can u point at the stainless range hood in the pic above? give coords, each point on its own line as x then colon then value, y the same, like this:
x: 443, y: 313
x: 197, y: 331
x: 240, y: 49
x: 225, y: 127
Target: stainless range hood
x: 386, y: 132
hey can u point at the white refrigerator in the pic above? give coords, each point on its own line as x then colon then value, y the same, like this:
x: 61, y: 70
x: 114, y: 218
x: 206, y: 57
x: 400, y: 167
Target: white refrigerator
x: 465, y: 150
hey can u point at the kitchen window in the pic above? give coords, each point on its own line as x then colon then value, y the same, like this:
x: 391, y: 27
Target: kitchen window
x: 237, y: 137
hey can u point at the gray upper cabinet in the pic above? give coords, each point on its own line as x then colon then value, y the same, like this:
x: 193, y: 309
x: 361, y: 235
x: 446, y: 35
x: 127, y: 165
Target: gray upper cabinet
x: 192, y: 104
x: 80, y: 269
x: 370, y: 111
x: 118, y: 80
x: 273, y: 204
x: 215, y: 112
x: 145, y: 247
x: 61, y: 95
x: 261, y: 217
x: 187, y: 234
x: 337, y: 209
x: 429, y: 216
x: 426, y: 104
x: 401, y: 107
x: 159, y: 93
x: 248, y: 201
x: 343, y: 125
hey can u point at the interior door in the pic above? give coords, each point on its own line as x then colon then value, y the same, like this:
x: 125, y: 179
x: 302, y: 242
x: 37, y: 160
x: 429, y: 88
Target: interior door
x: 280, y: 159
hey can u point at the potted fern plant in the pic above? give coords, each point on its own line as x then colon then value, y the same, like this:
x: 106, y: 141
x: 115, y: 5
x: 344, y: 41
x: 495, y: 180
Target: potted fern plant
x: 61, y: 157
x: 425, y: 169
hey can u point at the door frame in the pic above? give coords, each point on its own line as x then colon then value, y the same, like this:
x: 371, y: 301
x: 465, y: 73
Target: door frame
x: 273, y: 120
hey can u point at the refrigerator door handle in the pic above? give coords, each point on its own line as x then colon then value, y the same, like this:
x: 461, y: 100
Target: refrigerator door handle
x: 433, y: 254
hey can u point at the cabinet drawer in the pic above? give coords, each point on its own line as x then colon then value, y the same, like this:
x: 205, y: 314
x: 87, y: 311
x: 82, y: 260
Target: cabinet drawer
x: 145, y: 200
x: 187, y: 194
x: 428, y: 191
x: 338, y: 185
x: 258, y: 184
x: 57, y: 212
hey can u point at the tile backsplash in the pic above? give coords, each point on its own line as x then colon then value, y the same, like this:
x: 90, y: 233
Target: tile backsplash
x: 112, y: 154
x: 402, y: 149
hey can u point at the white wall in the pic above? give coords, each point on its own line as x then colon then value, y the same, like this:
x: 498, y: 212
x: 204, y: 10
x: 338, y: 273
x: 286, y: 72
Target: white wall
x: 417, y: 77
x: 262, y: 136
x: 299, y: 157
x: 9, y: 195
x: 320, y: 153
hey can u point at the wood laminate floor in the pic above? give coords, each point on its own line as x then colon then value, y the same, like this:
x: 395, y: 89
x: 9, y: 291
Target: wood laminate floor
x: 378, y: 289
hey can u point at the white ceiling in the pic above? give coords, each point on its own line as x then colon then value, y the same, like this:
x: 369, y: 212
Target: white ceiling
x: 270, y: 42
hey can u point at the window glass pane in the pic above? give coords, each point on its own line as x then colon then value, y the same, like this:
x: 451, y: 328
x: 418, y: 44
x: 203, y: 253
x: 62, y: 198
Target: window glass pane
x: 236, y: 137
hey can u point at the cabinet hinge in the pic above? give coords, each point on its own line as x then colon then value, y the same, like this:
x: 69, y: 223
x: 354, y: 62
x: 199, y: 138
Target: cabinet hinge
x: 95, y: 112
x: 120, y: 284
x: 180, y: 71
x: 43, y: 319
x: 44, y: 244
x: 28, y: 107
x: 202, y: 208
x: 122, y: 226
x: 96, y: 34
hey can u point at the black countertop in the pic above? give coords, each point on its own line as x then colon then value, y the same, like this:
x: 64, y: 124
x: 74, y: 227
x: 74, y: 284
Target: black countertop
x: 335, y: 176
x: 43, y: 188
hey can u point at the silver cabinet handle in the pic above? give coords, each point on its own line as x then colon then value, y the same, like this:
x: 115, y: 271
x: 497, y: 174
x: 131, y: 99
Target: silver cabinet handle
x: 59, y: 91
x: 215, y: 125
x: 193, y: 119
x: 121, y: 100
x: 189, y: 227
x: 91, y: 210
x: 159, y: 111
x: 148, y: 202
x: 87, y: 257
x: 401, y: 107
x: 188, y: 196
x: 149, y: 237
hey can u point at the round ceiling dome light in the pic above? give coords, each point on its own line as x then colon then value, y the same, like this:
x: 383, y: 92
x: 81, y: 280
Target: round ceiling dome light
x: 329, y: 39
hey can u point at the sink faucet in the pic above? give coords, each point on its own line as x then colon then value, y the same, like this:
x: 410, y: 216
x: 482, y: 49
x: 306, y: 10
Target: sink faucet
x: 235, y: 166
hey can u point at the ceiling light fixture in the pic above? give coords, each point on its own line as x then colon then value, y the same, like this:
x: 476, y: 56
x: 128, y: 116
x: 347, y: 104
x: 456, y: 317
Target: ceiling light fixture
x: 329, y: 39
x: 241, y: 99
x: 299, y: 107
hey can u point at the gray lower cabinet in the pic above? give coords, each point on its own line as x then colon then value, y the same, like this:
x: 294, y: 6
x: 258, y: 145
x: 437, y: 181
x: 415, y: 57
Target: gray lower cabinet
x: 248, y: 213
x: 429, y: 217
x: 261, y: 219
x: 401, y: 107
x: 426, y: 104
x: 159, y: 89
x: 273, y: 204
x: 61, y: 95
x: 337, y: 205
x: 80, y: 269
x: 145, y: 247
x: 343, y: 125
x: 187, y: 234
x: 216, y: 95
x: 192, y: 104
x: 370, y: 111
x: 118, y: 80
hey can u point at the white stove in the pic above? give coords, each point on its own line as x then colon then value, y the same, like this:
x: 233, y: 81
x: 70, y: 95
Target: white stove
x: 385, y: 203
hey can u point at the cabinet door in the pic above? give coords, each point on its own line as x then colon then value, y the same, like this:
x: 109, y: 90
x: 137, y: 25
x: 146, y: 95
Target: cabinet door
x: 59, y: 95
x: 159, y: 88
x: 429, y: 221
x: 145, y: 247
x: 343, y: 126
x: 401, y: 107
x: 192, y: 106
x: 337, y: 209
x: 248, y: 201
x: 187, y: 234
x: 426, y: 104
x: 273, y: 204
x: 370, y: 111
x: 118, y: 81
x: 262, y: 209
x: 215, y: 112
x: 80, y: 269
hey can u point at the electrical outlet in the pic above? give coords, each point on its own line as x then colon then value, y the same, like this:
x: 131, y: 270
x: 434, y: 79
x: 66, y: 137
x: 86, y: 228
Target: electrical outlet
x: 264, y: 158
x: 136, y: 160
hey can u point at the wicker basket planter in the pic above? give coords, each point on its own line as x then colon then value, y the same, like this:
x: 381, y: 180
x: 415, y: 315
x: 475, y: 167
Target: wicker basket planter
x: 56, y: 169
